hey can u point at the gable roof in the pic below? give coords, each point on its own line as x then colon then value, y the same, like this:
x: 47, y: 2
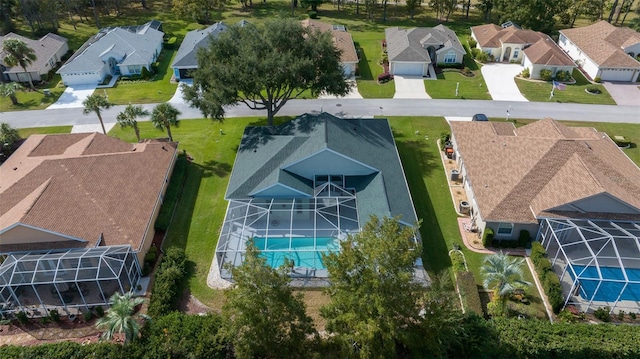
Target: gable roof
x: 341, y: 39
x: 84, y: 187
x: 547, y: 52
x: 493, y: 36
x: 605, y: 43
x: 45, y: 48
x: 265, y: 152
x: 526, y: 173
x: 410, y: 44
x: 137, y: 44
x: 194, y: 40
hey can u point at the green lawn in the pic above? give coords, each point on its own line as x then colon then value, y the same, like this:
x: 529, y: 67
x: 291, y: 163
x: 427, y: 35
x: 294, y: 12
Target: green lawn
x: 539, y: 91
x: 26, y: 132
x: 34, y: 100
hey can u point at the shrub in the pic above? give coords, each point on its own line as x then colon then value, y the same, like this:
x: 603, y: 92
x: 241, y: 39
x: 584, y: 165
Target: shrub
x: 553, y: 289
x: 167, y: 288
x: 472, y: 43
x: 54, y: 315
x: 487, y: 237
x: 87, y: 316
x: 145, y: 74
x: 482, y: 56
x: 525, y: 73
x: 385, y: 77
x: 447, y: 65
x: 469, y: 292
x: 22, y: 317
x: 524, y: 239
x: 632, y: 315
x: 99, y: 311
x: 171, y: 43
x: 602, y: 314
x: 593, y: 89
x: 474, y: 52
x: 597, y: 79
x: 457, y: 260
x: 150, y: 257
x: 566, y: 316
x: 313, y: 14
x: 563, y: 76
x: 546, y: 75
x: 444, y: 138
x: 621, y: 315
x: 537, y: 252
x: 155, y: 67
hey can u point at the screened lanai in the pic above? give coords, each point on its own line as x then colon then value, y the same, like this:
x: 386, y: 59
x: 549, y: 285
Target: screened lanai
x: 296, y: 229
x: 77, y: 278
x: 598, y: 261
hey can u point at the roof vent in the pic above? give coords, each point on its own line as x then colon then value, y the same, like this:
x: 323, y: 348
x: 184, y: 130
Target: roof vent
x: 587, y: 144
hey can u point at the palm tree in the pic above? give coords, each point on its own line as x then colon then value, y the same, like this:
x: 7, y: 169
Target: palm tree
x: 165, y: 116
x: 9, y: 90
x: 127, y: 118
x: 121, y: 318
x: 95, y: 103
x: 19, y: 53
x: 503, y: 274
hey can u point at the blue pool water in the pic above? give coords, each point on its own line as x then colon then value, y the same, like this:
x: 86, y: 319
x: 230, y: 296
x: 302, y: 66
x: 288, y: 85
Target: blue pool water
x: 608, y: 291
x: 276, y: 249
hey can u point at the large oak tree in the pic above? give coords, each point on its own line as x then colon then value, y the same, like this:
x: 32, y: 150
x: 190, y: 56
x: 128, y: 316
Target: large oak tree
x: 263, y: 66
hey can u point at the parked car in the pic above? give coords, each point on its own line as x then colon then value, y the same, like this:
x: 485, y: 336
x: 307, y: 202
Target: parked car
x: 479, y: 117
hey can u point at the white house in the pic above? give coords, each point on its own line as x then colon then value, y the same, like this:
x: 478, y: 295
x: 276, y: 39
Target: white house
x: 49, y: 51
x: 603, y: 50
x: 415, y: 51
x: 505, y: 43
x: 114, y: 51
x: 545, y: 54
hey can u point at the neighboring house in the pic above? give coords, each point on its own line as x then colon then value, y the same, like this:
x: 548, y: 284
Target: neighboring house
x: 114, y: 51
x: 505, y: 43
x: 49, y: 51
x: 603, y: 50
x: 299, y: 188
x: 77, y: 215
x: 545, y: 54
x: 186, y: 60
x: 415, y: 51
x: 343, y: 41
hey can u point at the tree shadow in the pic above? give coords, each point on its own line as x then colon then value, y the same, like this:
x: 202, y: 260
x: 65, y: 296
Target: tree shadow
x: 363, y: 65
x: 178, y: 231
x: 214, y: 168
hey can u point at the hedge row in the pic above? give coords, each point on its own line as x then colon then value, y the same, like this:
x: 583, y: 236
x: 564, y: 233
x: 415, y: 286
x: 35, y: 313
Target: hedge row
x: 457, y: 260
x: 168, y: 285
x: 487, y: 237
x: 548, y: 277
x: 469, y: 292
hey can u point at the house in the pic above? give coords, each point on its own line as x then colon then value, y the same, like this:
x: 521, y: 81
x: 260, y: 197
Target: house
x: 342, y: 40
x: 515, y: 176
x: 504, y: 43
x: 604, y: 51
x: 186, y: 60
x: 77, y: 215
x: 545, y: 54
x: 114, y: 51
x: 415, y: 51
x: 299, y: 188
x: 49, y: 51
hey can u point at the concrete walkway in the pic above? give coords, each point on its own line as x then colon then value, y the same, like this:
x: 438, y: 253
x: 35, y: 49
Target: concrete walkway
x: 72, y: 97
x: 410, y: 87
x: 500, y: 81
x: 624, y: 93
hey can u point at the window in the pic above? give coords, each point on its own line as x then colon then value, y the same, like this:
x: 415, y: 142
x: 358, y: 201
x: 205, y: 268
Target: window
x: 563, y: 39
x: 516, y: 52
x: 505, y: 228
x: 450, y: 57
x: 134, y: 69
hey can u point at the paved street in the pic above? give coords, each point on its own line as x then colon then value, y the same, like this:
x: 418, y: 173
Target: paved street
x: 360, y: 108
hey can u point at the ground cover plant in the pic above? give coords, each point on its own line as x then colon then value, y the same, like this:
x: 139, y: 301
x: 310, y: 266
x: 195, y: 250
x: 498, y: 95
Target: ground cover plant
x: 539, y: 91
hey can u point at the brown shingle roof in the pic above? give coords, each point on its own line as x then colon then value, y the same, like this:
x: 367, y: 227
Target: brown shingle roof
x: 75, y: 186
x: 547, y: 52
x: 545, y: 165
x: 342, y: 39
x: 492, y: 36
x: 604, y: 43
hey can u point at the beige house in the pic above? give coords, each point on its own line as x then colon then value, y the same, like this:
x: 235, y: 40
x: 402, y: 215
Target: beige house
x: 342, y: 40
x: 545, y: 54
x: 516, y: 177
x: 506, y: 43
x: 49, y: 51
x: 77, y: 215
x: 603, y: 50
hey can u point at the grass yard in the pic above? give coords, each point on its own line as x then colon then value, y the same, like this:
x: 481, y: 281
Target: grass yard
x: 26, y: 132
x: 34, y: 100
x: 539, y: 91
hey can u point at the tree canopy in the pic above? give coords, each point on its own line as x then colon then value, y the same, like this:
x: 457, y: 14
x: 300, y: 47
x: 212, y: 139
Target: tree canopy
x: 374, y: 297
x: 127, y: 118
x: 8, y: 138
x: 96, y: 103
x: 164, y: 116
x: 263, y: 66
x: 18, y: 53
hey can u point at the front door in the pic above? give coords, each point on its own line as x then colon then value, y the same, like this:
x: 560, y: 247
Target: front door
x: 507, y: 54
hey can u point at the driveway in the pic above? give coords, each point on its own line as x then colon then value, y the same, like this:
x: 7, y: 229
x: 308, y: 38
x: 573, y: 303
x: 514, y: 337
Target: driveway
x: 177, y: 96
x: 410, y: 87
x: 92, y: 127
x: 72, y: 97
x: 500, y: 82
x: 353, y: 94
x: 624, y: 93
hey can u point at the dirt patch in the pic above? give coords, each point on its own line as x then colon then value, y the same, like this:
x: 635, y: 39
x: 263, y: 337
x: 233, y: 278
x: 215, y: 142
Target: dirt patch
x: 191, y: 305
x: 314, y: 300
x: 34, y: 333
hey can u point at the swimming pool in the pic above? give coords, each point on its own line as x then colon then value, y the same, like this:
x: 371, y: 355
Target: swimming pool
x: 612, y: 283
x: 303, y: 254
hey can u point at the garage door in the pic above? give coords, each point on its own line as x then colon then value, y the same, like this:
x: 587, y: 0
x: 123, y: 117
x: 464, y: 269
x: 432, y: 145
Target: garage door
x: 407, y: 68
x: 617, y: 75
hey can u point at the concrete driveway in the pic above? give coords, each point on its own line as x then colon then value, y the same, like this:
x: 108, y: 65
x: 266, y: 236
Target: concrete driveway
x: 177, y: 96
x: 624, y: 93
x: 500, y: 82
x: 353, y: 94
x: 410, y: 87
x: 72, y: 97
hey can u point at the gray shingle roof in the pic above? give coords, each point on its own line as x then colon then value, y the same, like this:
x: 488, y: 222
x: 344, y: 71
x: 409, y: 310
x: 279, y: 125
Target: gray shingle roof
x: 139, y: 47
x: 265, y: 151
x: 407, y: 44
x: 186, y: 56
x: 45, y: 48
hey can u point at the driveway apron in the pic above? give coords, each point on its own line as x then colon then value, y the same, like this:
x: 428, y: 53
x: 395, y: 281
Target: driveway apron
x: 500, y: 81
x: 411, y: 87
x: 624, y: 93
x: 73, y: 96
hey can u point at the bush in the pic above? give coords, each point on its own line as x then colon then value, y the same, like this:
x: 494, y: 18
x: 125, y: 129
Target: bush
x: 593, y: 89
x: 482, y: 56
x: 474, y: 52
x: 469, y: 292
x: 621, y: 315
x: 524, y: 239
x: 150, y: 257
x: 145, y: 74
x: 171, y: 43
x: 597, y: 79
x: 472, y: 43
x: 602, y: 314
x: 457, y: 260
x: 313, y: 14
x: 566, y: 316
x: 563, y: 76
x: 385, y: 77
x: 525, y: 73
x: 444, y: 138
x: 87, y: 316
x: 155, y: 67
x: 54, y: 315
x: 99, y: 311
x: 553, y: 289
x: 168, y: 285
x: 22, y: 317
x: 546, y: 75
x: 632, y: 315
x: 447, y: 65
x: 487, y: 237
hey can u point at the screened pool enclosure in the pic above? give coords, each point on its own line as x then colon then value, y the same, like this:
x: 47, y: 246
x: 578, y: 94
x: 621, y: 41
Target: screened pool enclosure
x: 36, y: 283
x: 598, y: 261
x: 297, y: 229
